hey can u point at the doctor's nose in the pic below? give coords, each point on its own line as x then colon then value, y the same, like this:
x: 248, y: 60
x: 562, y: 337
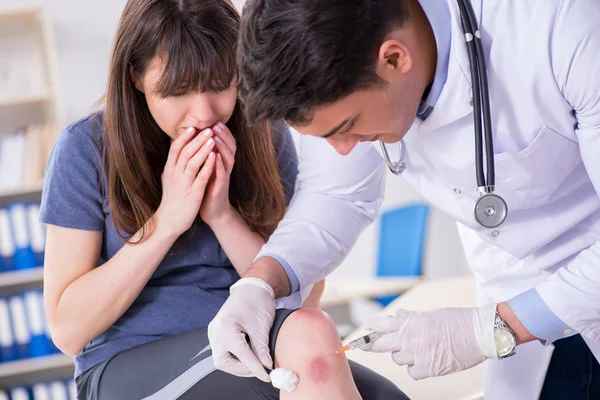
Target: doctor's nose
x: 343, y: 145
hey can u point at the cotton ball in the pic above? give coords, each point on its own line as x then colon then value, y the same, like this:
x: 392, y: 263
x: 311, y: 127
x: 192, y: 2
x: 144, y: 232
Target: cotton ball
x: 284, y: 379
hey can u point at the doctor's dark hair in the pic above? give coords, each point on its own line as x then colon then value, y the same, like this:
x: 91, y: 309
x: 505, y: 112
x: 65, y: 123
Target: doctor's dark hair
x: 197, y: 42
x: 295, y: 55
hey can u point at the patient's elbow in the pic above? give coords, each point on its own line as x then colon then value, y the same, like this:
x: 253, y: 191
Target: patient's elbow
x: 66, y: 340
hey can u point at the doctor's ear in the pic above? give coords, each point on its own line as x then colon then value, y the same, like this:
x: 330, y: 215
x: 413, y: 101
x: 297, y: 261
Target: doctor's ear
x: 393, y: 57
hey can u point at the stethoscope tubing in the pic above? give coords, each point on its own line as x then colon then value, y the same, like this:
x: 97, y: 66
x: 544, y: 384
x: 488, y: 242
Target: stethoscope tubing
x: 481, y: 96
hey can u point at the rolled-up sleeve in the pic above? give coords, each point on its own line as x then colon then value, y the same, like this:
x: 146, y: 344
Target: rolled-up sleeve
x: 335, y: 198
x: 537, y: 317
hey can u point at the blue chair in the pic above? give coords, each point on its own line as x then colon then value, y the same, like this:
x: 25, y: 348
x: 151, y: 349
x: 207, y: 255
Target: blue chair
x: 401, y: 243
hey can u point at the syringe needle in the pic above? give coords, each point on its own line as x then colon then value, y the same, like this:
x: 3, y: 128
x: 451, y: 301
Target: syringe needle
x: 342, y: 349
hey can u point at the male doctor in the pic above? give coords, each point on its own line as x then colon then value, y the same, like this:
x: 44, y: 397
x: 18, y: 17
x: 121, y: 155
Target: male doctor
x: 391, y: 80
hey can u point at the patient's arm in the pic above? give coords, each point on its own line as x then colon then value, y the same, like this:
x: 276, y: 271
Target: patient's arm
x: 305, y: 344
x: 314, y: 297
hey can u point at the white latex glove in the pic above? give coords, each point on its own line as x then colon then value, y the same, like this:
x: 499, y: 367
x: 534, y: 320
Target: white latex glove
x: 438, y: 342
x: 250, y: 311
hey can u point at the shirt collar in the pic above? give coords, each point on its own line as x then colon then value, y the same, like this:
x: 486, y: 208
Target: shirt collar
x: 438, y: 14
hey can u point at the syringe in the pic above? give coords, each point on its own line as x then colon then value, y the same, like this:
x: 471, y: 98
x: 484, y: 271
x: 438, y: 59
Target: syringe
x: 358, y: 343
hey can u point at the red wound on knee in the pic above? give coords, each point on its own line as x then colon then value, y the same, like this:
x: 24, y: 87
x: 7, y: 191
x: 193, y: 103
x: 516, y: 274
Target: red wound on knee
x: 319, y: 370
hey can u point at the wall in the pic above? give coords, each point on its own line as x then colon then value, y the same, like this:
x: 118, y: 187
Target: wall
x: 84, y: 32
x: 443, y: 256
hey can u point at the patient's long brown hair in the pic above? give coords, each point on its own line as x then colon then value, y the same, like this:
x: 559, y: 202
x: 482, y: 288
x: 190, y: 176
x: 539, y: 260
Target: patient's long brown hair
x: 198, y: 39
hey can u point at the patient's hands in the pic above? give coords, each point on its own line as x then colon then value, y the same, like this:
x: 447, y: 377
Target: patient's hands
x: 215, y: 205
x: 438, y: 342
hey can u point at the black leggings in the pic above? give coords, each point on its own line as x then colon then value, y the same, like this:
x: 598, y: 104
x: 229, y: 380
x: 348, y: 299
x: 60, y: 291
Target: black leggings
x: 181, y: 367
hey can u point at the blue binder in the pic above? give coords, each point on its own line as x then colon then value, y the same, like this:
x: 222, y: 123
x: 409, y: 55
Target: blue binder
x: 24, y: 257
x: 37, y: 233
x: 40, y: 391
x: 7, y: 342
x: 7, y: 245
x: 58, y: 390
x: 39, y: 344
x: 19, y: 325
x: 52, y: 346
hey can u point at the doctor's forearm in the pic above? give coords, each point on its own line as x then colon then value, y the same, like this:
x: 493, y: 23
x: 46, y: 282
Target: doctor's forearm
x: 510, y: 319
x: 270, y: 270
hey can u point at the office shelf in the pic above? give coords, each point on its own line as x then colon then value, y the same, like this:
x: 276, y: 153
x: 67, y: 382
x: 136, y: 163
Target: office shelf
x: 17, y: 12
x: 29, y: 99
x: 14, y: 282
x: 33, y: 370
x: 25, y: 193
x: 18, y: 101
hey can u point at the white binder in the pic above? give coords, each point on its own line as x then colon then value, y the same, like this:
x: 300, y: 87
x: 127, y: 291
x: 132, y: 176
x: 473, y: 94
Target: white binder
x: 58, y: 390
x: 41, y: 392
x: 20, y: 329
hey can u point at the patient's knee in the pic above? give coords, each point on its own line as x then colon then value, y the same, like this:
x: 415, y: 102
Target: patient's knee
x: 306, y: 344
x: 308, y: 339
x: 314, y: 327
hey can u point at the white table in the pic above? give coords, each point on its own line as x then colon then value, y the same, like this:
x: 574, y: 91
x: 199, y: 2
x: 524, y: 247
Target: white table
x: 427, y: 295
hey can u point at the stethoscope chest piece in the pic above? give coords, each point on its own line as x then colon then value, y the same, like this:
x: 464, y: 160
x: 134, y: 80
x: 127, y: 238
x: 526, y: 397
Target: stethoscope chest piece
x: 397, y: 167
x: 490, y: 210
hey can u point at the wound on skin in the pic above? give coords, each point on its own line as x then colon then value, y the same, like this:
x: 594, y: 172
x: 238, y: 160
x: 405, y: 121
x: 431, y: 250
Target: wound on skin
x: 319, y: 370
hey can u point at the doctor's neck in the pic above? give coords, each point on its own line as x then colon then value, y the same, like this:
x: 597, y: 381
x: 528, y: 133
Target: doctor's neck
x: 419, y: 36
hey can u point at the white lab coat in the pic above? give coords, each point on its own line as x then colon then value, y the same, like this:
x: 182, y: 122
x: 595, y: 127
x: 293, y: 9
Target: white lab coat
x: 544, y: 75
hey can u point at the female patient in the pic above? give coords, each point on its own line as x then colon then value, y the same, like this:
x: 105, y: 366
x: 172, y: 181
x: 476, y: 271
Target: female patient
x: 156, y: 205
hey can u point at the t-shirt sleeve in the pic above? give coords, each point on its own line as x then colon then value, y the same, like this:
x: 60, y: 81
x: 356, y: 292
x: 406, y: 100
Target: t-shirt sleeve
x: 287, y: 158
x: 72, y: 194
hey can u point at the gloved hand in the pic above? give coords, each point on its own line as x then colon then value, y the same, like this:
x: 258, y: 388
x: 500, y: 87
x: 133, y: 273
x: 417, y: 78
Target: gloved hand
x: 438, y: 342
x: 250, y: 311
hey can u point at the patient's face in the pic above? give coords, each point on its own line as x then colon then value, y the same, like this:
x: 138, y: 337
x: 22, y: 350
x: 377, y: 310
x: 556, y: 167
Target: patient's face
x: 175, y: 114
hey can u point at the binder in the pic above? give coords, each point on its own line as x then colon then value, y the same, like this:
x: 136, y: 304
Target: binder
x: 58, y: 390
x: 41, y: 392
x: 19, y: 324
x: 19, y: 393
x: 34, y: 310
x: 3, y: 395
x: 7, y: 343
x: 7, y: 245
x: 52, y: 346
x: 24, y: 257
x: 72, y: 389
x: 37, y: 233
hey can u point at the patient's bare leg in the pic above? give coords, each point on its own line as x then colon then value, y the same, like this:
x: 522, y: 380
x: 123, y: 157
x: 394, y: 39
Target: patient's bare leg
x: 306, y: 344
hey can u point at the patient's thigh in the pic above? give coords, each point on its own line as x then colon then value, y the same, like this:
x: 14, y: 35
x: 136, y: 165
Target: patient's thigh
x: 222, y: 386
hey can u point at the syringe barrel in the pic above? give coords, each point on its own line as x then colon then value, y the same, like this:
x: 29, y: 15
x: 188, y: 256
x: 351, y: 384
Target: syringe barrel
x: 364, y: 340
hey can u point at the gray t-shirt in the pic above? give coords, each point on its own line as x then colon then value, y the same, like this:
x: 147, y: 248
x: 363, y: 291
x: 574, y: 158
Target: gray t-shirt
x: 190, y: 284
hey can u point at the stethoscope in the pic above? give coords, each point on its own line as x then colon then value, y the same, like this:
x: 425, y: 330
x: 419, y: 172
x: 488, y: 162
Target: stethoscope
x: 490, y: 210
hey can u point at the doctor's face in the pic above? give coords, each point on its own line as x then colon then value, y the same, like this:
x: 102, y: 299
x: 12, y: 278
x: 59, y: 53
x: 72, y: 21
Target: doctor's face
x: 384, y: 113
